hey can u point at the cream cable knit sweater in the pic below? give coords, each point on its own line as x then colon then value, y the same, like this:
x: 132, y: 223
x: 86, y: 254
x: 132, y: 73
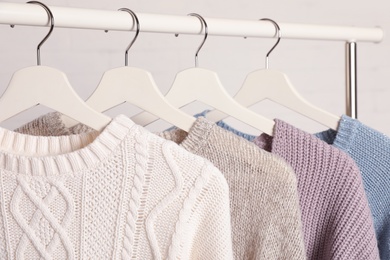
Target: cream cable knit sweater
x: 263, y: 188
x: 123, y: 193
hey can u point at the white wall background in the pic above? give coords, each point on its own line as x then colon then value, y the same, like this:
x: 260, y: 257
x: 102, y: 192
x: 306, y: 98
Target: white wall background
x: 315, y: 68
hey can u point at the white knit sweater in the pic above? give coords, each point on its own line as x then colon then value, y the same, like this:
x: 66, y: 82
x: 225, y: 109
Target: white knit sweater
x: 123, y: 193
x: 264, y: 203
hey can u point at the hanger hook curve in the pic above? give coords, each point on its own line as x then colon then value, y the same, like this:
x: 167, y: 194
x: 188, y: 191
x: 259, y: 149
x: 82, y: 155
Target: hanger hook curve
x: 135, y: 19
x: 279, y: 35
x: 51, y: 16
x: 206, y: 33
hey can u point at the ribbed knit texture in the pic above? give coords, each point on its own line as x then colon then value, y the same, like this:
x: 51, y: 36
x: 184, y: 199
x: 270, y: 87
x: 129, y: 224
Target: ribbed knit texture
x: 263, y: 189
x: 371, y: 151
x: 336, y: 218
x: 123, y: 193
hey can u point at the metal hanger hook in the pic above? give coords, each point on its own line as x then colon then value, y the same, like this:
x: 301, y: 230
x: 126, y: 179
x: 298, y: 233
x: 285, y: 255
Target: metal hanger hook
x: 51, y: 16
x: 135, y: 19
x: 279, y: 35
x: 206, y: 33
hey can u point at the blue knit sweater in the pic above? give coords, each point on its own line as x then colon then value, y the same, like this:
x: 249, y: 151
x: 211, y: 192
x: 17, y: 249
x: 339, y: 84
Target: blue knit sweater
x: 371, y: 151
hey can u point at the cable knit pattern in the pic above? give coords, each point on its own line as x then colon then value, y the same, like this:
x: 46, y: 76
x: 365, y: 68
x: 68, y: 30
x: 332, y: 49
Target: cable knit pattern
x: 178, y: 179
x: 29, y: 234
x: 3, y: 245
x: 133, y: 221
x: 49, y: 239
x: 115, y: 194
x: 174, y: 249
x: 264, y: 202
x: 336, y: 218
x: 371, y: 151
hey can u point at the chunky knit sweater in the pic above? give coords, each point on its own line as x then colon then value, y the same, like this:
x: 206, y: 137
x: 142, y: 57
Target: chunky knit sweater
x: 371, y: 151
x: 263, y: 194
x: 337, y: 221
x: 122, y: 193
x: 336, y: 218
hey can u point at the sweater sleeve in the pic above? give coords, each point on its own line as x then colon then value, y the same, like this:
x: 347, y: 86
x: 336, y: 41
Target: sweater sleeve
x: 353, y: 229
x: 283, y: 233
x: 209, y: 219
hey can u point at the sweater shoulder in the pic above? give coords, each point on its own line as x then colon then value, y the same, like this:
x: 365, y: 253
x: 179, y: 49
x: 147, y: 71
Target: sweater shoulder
x: 250, y: 155
x: 306, y: 151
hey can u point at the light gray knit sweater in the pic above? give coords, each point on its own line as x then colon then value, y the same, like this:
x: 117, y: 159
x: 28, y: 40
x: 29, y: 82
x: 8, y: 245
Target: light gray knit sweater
x: 265, y: 214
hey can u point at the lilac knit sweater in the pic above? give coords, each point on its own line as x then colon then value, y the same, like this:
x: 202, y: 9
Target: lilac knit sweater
x: 336, y: 219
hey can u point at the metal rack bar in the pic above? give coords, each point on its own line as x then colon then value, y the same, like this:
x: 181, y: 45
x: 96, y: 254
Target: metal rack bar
x: 65, y: 17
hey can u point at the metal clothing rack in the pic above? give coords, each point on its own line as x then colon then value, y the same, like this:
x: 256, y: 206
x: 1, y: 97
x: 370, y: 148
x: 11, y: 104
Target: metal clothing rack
x: 65, y: 17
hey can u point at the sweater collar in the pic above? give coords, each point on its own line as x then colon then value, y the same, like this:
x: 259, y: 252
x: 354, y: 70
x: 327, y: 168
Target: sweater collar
x: 42, y: 155
x: 345, y: 134
x: 283, y: 134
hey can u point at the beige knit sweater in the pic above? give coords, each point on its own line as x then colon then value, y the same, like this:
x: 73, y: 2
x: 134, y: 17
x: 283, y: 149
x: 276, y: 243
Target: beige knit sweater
x: 122, y: 193
x: 264, y: 203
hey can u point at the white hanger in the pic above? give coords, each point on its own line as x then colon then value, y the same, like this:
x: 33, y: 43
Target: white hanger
x: 136, y: 86
x: 198, y: 84
x: 275, y: 85
x: 44, y: 85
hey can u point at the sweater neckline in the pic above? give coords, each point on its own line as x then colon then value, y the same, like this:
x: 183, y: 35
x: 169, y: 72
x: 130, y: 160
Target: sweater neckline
x: 288, y: 138
x: 198, y: 135
x: 55, y: 155
x: 282, y: 130
x: 345, y: 134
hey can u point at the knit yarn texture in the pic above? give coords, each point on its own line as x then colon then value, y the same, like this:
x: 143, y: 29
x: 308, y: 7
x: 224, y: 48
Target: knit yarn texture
x: 336, y: 218
x: 265, y: 214
x: 122, y: 193
x: 371, y: 151
x: 263, y: 192
x: 51, y: 124
x: 337, y: 222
